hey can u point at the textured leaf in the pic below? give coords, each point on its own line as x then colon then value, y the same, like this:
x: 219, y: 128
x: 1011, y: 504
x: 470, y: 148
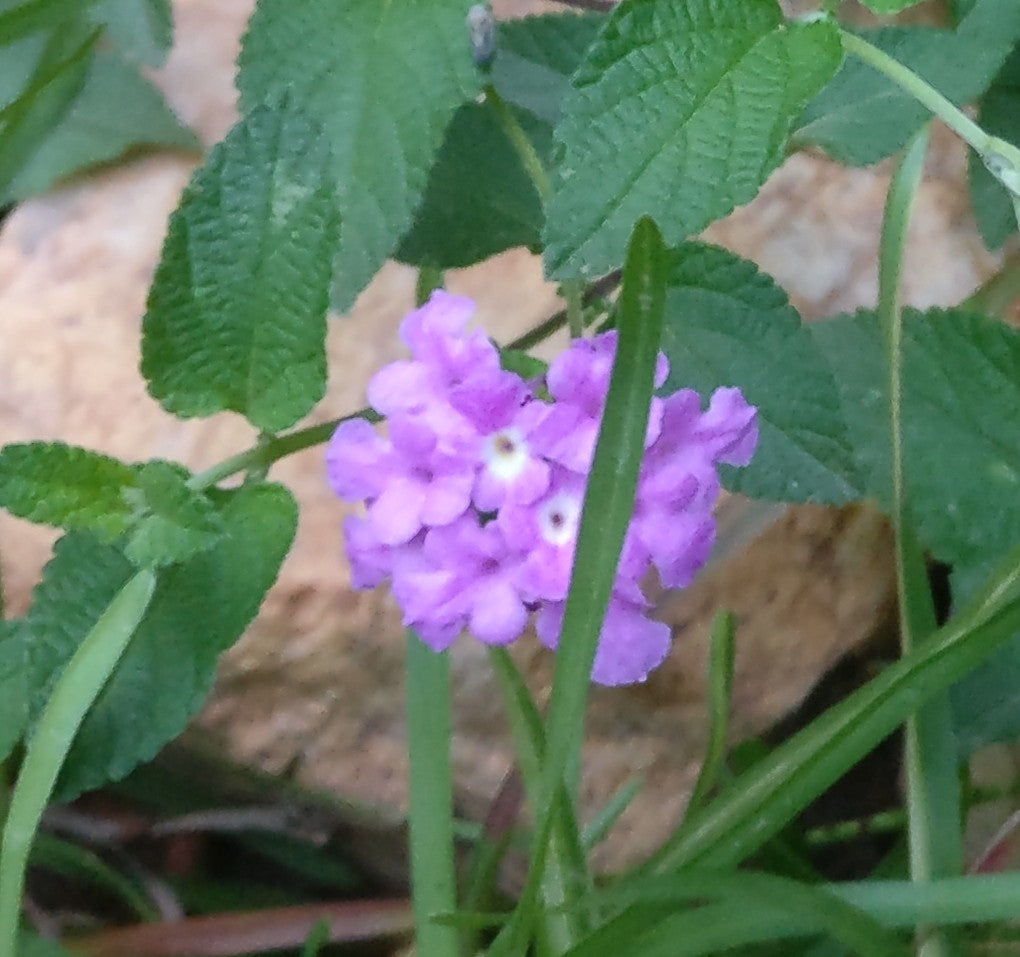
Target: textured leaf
x: 729, y: 324
x: 861, y: 117
x: 142, y: 29
x: 73, y: 488
x: 13, y: 686
x: 89, y: 132
x: 200, y: 608
x: 383, y: 80
x: 179, y: 522
x: 536, y: 56
x: 479, y: 200
x: 680, y: 110
x: 236, y: 315
x: 961, y: 424
x: 1000, y: 116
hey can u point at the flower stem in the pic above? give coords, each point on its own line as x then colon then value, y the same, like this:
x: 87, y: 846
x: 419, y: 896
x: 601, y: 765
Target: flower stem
x: 933, y: 792
x: 433, y: 879
x: 919, y: 89
x: 522, y: 144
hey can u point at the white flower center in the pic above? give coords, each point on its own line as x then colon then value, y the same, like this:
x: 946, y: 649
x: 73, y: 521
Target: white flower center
x: 558, y: 517
x: 505, y: 454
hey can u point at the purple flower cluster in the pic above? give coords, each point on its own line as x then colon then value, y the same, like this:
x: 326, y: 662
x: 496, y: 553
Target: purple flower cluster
x: 473, y: 497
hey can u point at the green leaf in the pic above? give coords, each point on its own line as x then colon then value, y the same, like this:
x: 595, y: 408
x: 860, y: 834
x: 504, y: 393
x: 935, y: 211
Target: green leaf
x: 608, y: 499
x: 383, y: 80
x: 479, y: 200
x: 961, y: 416
x: 680, y: 110
x: 59, y: 63
x: 89, y: 132
x: 13, y: 686
x: 536, y: 56
x: 236, y: 314
x: 179, y: 523
x: 200, y: 608
x: 862, y: 117
x: 143, y: 29
x: 986, y: 703
x: 729, y: 324
x: 999, y: 115
x: 20, y: 18
x: 73, y: 488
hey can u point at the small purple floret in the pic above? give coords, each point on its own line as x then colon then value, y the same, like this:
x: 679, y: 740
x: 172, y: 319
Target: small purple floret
x: 473, y: 494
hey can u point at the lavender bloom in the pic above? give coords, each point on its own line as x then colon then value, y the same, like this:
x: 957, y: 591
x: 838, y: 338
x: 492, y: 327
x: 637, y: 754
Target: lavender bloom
x: 473, y: 499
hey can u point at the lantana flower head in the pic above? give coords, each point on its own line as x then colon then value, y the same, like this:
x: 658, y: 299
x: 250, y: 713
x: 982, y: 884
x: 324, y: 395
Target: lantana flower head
x: 473, y: 494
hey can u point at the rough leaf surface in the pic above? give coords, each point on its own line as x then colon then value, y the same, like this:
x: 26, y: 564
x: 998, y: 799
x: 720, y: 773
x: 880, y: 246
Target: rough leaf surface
x: 729, y: 324
x: 178, y: 522
x: 56, y: 484
x: 383, y: 80
x: 680, y: 110
x: 960, y: 405
x: 236, y: 314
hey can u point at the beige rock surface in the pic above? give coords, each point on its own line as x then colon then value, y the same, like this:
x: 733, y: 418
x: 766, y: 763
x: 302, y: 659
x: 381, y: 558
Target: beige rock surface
x: 315, y: 688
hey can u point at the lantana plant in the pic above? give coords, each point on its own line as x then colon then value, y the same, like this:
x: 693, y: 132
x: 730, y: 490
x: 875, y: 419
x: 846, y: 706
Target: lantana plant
x: 491, y: 493
x: 474, y: 498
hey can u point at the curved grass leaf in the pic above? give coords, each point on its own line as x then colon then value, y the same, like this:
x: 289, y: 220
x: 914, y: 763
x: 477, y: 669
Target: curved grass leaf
x: 680, y: 110
x: 757, y: 908
x: 729, y: 324
x: 761, y: 802
x: 236, y: 314
x: 383, y: 81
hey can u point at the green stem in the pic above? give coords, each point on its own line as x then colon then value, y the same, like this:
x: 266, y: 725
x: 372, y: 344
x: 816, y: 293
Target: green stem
x: 933, y: 795
x: 920, y: 90
x: 572, y: 292
x: 521, y: 142
x: 78, y: 686
x: 433, y: 878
